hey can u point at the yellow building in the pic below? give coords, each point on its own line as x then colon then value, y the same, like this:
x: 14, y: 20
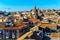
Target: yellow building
x: 2, y: 19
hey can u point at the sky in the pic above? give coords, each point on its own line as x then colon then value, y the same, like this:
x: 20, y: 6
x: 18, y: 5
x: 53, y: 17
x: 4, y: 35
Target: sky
x: 21, y: 5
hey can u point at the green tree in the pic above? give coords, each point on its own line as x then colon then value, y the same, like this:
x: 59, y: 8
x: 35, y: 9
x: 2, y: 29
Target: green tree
x: 59, y: 13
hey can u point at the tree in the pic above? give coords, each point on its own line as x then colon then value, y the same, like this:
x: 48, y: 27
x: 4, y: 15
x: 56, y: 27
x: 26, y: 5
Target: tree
x: 59, y: 13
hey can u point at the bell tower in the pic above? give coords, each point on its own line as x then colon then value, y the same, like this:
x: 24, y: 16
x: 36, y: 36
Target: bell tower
x: 35, y: 9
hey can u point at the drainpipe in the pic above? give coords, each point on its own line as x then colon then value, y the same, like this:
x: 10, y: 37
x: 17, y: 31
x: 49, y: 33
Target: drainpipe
x: 17, y: 34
